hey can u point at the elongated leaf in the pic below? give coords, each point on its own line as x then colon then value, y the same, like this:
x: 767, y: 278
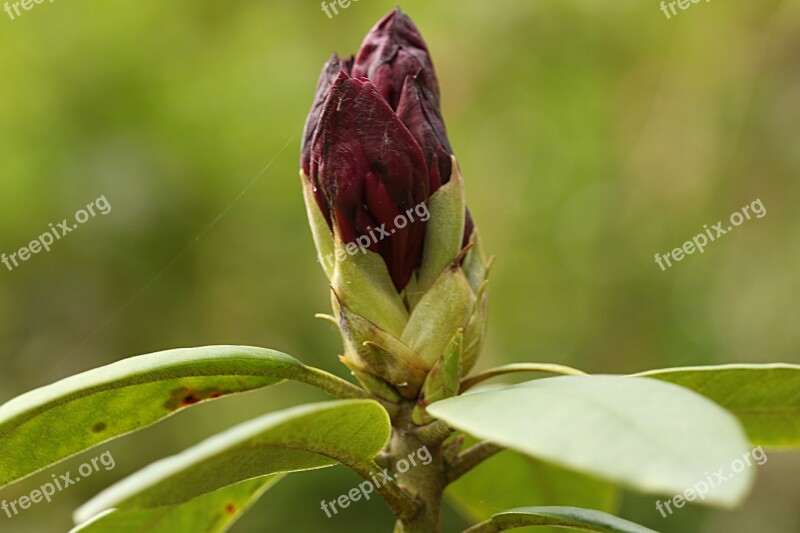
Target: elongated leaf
x: 312, y: 436
x: 647, y: 434
x: 214, y: 512
x: 88, y: 409
x: 765, y: 398
x: 478, y: 495
x: 570, y: 517
x: 514, y: 368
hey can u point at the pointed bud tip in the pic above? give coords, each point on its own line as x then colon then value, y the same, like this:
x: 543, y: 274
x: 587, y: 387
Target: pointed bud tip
x: 331, y: 71
x: 391, y: 51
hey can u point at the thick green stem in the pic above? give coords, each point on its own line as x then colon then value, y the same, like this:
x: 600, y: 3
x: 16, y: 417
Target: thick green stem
x: 408, y: 453
x: 400, y: 502
x: 470, y: 458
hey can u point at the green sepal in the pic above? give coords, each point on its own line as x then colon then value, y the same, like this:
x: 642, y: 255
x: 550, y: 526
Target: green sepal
x: 443, y: 233
x: 320, y: 231
x: 443, y: 380
x: 475, y: 265
x: 372, y: 350
x: 406, y: 378
x: 444, y: 309
x: 375, y: 385
x: 361, y: 280
x: 475, y: 332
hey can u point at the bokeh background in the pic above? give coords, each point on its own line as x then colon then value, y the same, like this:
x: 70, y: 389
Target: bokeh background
x: 591, y: 135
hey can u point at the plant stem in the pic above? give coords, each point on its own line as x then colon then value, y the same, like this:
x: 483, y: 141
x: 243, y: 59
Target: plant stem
x: 434, y: 433
x: 470, y: 458
x: 415, y: 496
x: 400, y: 502
x: 425, y: 482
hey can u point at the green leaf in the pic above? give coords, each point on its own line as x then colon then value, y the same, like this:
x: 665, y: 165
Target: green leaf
x: 514, y: 368
x: 307, y: 437
x: 88, y: 409
x: 765, y: 398
x: 478, y: 495
x: 570, y: 517
x: 210, y: 513
x: 647, y: 434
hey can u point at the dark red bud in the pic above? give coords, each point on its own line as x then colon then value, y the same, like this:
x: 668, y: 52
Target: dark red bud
x: 392, y: 51
x: 420, y: 113
x: 329, y: 74
x: 367, y: 169
x: 469, y: 227
x: 375, y: 144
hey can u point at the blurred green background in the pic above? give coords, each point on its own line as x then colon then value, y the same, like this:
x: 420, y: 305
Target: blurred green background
x: 591, y: 136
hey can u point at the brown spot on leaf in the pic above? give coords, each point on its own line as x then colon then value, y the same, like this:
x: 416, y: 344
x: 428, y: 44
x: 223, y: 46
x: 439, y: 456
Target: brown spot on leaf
x: 185, y: 396
x: 100, y: 426
x: 177, y: 397
x: 190, y: 399
x: 230, y: 508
